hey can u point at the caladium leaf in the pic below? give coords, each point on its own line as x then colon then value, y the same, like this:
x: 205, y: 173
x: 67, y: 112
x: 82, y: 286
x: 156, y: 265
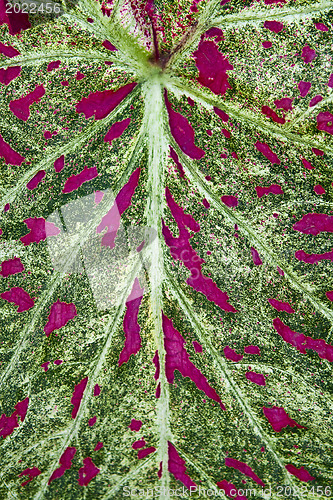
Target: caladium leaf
x: 166, y: 250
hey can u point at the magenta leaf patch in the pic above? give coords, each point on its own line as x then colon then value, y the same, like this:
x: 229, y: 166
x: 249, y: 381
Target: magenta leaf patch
x: 11, y: 266
x: 65, y: 462
x: 87, y: 472
x: 33, y: 472
x: 279, y: 418
x: 182, y: 132
x: 130, y: 324
x: 244, y: 469
x: 59, y: 315
x: 213, y: 67
x: 40, y: 229
x: 102, y: 103
x: 78, y: 395
x: 177, y: 467
x: 166, y: 227
x: 21, y: 107
x: 177, y: 358
x: 19, y: 297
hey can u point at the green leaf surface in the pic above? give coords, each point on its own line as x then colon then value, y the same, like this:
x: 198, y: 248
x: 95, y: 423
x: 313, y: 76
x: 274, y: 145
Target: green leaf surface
x: 166, y: 248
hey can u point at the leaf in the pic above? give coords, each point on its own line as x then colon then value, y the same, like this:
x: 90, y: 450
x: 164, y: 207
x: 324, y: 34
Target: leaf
x: 166, y: 250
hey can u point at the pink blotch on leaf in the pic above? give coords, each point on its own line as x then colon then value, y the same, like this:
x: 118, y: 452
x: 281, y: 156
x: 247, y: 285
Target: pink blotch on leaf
x: 274, y: 189
x: 21, y: 107
x: 87, y: 472
x: 266, y: 151
x: 131, y: 326
x: 60, y: 314
x: 182, y: 250
x: 112, y: 219
x: 267, y: 44
x: 206, y: 203
x: 304, y: 88
x: 116, y: 130
x: 108, y: 45
x: 301, y: 473
x: 11, y: 157
x: 177, y: 467
x: 65, y: 462
x: 330, y: 81
x: 33, y: 472
x: 156, y: 362
x: 315, y: 100
x: 307, y: 164
x: 97, y: 390
x: 11, y: 266
x: 20, y: 298
x: 244, y: 469
x: 314, y: 224
x: 325, y: 122
x: 230, y: 489
x: 266, y: 110
x: 53, y: 65
x: 9, y: 74
x: 197, y: 346
x: 59, y: 163
x: 40, y: 229
x: 256, y: 378
x: 284, y: 103
x: 135, y: 425
x: 301, y: 342
x: 329, y: 295
x: 77, y: 395
x: 8, y: 424
x: 226, y: 133
x: 281, y: 306
x: 321, y: 27
x: 274, y: 26
x: 158, y: 390
x: 98, y: 446
x: 212, y: 66
x: 102, y: 103
x: 190, y: 101
x: 16, y: 22
x: 222, y: 114
x: 308, y: 54
x: 92, y: 421
x: 47, y: 134
x: 216, y: 33
x: 229, y: 200
x: 33, y: 183
x: 75, y: 181
x: 177, y: 358
x: 159, y: 472
x: 252, y: 349
x: 179, y: 166
x: 79, y: 75
x: 45, y: 365
x: 58, y: 362
x: 318, y: 152
x: 98, y: 197
x: 256, y: 257
x: 145, y: 452
x: 182, y: 132
x: 232, y: 355
x: 318, y: 189
x: 139, y: 444
x: 313, y: 258
x: 279, y: 418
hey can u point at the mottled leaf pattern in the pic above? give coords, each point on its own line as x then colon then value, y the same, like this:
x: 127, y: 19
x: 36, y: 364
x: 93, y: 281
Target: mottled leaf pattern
x: 166, y: 250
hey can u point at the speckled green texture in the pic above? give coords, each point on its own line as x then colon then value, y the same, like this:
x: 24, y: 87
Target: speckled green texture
x: 90, y: 344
